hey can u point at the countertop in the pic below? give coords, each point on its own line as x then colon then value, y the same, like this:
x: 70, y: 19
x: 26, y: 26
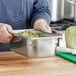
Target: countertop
x: 12, y: 64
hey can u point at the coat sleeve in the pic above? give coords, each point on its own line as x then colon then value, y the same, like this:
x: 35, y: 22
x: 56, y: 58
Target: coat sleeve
x: 41, y: 10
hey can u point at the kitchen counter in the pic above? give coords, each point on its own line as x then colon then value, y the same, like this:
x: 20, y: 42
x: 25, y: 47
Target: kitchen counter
x: 12, y: 64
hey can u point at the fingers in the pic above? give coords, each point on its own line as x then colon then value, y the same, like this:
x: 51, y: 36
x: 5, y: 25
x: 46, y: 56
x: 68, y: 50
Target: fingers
x: 43, y: 27
x: 5, y: 35
x: 9, y: 28
x: 48, y: 29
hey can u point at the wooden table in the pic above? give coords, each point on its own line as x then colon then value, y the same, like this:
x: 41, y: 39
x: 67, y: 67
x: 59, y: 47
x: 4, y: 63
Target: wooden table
x: 12, y: 64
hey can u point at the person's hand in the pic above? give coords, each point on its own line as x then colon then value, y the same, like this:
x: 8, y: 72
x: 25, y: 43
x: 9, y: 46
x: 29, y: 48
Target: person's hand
x: 6, y: 33
x: 42, y: 25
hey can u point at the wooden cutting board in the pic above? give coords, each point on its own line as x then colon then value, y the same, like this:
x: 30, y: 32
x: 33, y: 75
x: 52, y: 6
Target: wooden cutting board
x: 12, y: 64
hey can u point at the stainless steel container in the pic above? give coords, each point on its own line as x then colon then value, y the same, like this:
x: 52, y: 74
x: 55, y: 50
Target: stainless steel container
x: 73, y: 2
x: 75, y: 13
x: 57, y: 10
x: 36, y: 47
x: 68, y: 10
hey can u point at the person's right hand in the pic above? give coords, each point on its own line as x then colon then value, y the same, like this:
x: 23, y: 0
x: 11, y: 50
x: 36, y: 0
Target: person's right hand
x: 6, y: 33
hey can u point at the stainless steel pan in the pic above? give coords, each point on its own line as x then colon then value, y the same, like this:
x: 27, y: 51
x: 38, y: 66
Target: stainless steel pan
x: 36, y: 47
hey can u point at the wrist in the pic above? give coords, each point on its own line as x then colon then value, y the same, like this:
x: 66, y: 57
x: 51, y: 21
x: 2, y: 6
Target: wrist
x: 40, y: 21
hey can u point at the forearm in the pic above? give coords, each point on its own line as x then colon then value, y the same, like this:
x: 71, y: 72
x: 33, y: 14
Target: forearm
x: 41, y: 11
x: 39, y: 21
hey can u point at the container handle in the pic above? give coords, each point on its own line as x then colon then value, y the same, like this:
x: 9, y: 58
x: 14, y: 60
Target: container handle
x: 72, y: 1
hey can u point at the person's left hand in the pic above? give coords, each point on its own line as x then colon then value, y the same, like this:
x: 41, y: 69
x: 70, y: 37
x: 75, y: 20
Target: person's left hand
x: 42, y: 26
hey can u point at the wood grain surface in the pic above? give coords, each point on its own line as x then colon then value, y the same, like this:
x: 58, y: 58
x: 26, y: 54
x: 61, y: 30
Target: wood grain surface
x: 12, y: 64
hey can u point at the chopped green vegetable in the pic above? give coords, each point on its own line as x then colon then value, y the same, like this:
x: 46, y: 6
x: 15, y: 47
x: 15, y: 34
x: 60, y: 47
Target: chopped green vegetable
x: 70, y: 37
x: 33, y: 34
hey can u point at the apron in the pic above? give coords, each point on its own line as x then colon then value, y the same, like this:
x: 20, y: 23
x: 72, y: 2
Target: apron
x: 12, y: 12
x: 21, y: 14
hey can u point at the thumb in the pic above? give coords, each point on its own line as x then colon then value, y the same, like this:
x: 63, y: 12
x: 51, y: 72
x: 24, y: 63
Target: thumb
x: 49, y: 29
x: 9, y: 28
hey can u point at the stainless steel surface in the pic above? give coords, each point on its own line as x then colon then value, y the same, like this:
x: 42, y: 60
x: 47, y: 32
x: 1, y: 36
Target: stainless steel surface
x: 66, y: 50
x: 71, y: 1
x: 53, y: 34
x: 75, y: 13
x: 36, y: 47
x: 74, y: 3
x: 68, y: 10
x: 57, y: 10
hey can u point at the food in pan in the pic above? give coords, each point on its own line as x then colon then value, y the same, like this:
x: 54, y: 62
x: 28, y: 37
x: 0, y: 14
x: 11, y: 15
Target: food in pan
x: 33, y: 34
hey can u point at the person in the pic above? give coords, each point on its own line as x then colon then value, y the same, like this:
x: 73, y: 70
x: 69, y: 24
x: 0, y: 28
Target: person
x: 22, y: 14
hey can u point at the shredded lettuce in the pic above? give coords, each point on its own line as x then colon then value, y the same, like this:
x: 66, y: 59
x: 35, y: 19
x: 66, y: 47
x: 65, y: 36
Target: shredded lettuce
x: 70, y: 37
